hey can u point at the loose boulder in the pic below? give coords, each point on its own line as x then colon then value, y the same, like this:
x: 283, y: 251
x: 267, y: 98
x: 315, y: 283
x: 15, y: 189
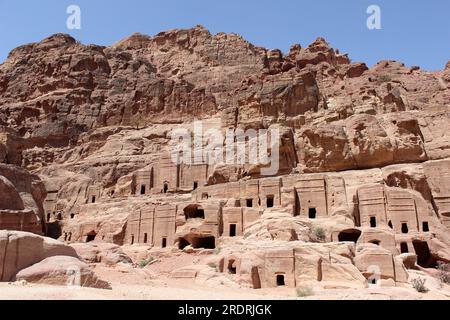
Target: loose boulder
x: 62, y: 270
x: 20, y: 250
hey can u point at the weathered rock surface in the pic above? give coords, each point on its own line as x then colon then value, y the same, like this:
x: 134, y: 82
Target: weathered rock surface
x: 20, y: 250
x: 62, y: 270
x: 21, y: 200
x: 105, y: 253
x: 361, y: 195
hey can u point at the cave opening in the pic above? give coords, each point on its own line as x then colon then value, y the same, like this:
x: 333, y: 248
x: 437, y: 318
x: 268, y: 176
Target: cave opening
x: 424, y: 257
x: 91, y: 236
x: 232, y: 266
x: 204, y: 242
x: 194, y: 212
x: 182, y: 243
x: 350, y: 235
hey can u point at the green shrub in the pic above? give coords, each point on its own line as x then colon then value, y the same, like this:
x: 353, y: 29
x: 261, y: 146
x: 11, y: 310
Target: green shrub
x: 212, y: 265
x: 319, y: 233
x: 443, y: 272
x: 304, y: 292
x: 384, y: 78
x: 145, y: 263
x: 419, y: 285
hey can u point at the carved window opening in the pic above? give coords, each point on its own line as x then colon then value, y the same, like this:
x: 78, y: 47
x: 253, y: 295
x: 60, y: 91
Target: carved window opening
x: 280, y: 280
x: 405, y: 228
x: 270, y: 201
x: 232, y: 230
x: 373, y: 222
x: 404, y: 247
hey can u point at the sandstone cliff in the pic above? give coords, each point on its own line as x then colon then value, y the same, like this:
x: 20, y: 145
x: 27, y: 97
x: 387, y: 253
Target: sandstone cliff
x: 364, y: 153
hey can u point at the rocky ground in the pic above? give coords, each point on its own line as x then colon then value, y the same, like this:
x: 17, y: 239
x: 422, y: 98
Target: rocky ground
x: 142, y: 284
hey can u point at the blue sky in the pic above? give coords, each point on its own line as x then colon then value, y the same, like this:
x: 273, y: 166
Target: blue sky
x: 414, y: 32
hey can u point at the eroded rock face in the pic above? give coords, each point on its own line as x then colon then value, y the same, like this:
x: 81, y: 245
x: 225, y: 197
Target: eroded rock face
x: 61, y: 270
x: 363, y: 169
x: 12, y: 199
x: 108, y: 254
x: 21, y: 200
x: 21, y: 250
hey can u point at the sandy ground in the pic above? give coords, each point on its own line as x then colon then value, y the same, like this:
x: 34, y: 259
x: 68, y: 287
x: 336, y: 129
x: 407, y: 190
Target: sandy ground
x: 169, y: 289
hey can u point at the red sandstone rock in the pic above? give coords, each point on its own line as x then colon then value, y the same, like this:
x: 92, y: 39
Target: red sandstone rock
x: 364, y: 160
x: 21, y: 250
x: 21, y: 200
x: 61, y: 270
